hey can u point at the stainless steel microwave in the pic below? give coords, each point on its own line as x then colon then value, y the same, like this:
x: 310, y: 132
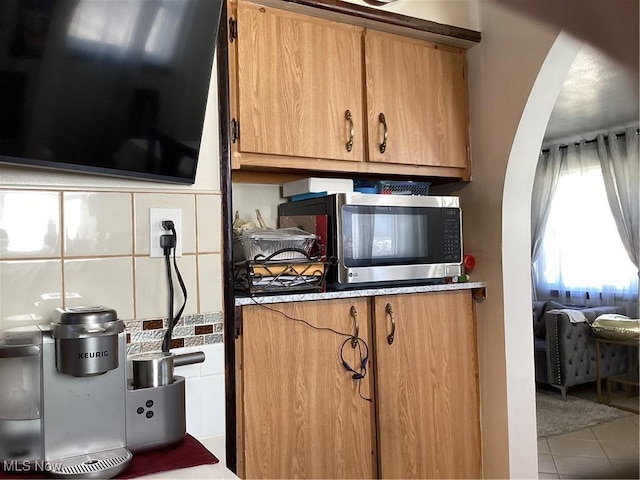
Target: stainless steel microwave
x: 375, y: 239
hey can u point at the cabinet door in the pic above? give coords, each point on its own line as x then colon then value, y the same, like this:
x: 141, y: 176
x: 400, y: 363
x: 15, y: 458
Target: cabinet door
x: 298, y: 76
x: 427, y: 386
x: 302, y: 416
x: 421, y: 90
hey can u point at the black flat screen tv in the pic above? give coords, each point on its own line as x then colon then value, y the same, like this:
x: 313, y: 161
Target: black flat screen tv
x: 113, y: 87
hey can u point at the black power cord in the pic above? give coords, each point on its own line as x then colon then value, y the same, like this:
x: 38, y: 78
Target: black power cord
x: 357, y: 375
x: 168, y: 243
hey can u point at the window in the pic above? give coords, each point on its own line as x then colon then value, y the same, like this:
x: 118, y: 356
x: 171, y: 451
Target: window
x: 106, y: 26
x: 162, y: 40
x: 117, y: 28
x: 582, y: 256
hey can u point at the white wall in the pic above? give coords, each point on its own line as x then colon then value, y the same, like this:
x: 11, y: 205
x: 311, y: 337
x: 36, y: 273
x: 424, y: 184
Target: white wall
x: 502, y: 71
x: 459, y: 13
x: 516, y: 241
x: 513, y: 85
x: 247, y: 197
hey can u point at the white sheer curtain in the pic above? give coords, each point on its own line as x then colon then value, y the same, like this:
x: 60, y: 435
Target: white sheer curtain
x: 582, y: 259
x: 544, y: 188
x: 620, y: 160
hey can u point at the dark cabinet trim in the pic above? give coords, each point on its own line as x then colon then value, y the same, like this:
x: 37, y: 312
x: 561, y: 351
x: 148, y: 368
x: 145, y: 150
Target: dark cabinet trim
x: 222, y: 53
x: 381, y: 19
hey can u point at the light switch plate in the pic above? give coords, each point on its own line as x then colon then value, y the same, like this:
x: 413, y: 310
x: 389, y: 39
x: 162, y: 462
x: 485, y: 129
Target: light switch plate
x: 156, y: 217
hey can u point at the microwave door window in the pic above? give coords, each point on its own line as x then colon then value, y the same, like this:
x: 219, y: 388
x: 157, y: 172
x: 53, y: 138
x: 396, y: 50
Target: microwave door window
x: 386, y: 246
x: 357, y: 235
x: 411, y: 237
x: 383, y: 236
x: 362, y: 237
x: 370, y: 239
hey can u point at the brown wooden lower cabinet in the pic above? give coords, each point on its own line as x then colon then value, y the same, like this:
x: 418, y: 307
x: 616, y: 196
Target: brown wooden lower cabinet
x: 426, y: 386
x: 301, y: 414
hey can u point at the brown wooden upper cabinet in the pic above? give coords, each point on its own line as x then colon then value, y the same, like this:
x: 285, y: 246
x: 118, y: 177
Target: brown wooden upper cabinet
x: 299, y: 85
x: 309, y: 93
x: 416, y: 101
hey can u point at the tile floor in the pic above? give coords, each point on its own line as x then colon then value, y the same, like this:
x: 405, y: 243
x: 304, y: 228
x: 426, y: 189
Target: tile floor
x: 606, y: 451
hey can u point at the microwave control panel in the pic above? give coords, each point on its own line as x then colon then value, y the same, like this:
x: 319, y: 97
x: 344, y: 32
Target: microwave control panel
x: 452, y: 235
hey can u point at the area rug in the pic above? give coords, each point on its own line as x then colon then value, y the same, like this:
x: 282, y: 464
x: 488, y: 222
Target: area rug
x: 555, y: 416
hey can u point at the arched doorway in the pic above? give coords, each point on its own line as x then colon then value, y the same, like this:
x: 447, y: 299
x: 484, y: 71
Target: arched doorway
x: 516, y: 254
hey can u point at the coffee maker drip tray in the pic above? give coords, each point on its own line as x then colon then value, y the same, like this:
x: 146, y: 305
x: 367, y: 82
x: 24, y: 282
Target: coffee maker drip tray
x: 106, y: 464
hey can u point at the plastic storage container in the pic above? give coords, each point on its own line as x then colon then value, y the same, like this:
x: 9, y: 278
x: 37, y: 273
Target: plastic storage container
x: 391, y: 187
x: 260, y: 244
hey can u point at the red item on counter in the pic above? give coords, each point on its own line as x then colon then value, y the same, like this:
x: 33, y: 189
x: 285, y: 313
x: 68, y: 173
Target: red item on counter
x: 189, y: 453
x: 469, y: 261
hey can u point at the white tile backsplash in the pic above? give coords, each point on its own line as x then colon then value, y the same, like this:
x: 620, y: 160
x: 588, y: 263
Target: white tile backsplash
x: 101, y: 257
x: 213, y: 361
x: 100, y: 281
x: 214, y: 365
x: 204, y: 391
x: 30, y: 291
x: 143, y: 202
x: 210, y: 282
x: 212, y: 406
x: 29, y: 224
x: 205, y: 405
x: 152, y: 287
x: 209, y: 212
x: 97, y: 223
x: 193, y: 393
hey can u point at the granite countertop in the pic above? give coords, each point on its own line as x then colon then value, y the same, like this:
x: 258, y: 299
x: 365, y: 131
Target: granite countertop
x: 367, y: 292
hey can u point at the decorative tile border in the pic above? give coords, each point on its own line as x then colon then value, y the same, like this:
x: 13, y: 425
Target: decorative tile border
x: 190, y: 331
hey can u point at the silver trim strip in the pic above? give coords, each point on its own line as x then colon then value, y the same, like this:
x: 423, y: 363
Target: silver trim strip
x: 390, y: 273
x: 371, y: 199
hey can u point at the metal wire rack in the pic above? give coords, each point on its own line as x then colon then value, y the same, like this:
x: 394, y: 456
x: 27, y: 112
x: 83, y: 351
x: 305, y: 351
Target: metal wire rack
x: 263, y: 275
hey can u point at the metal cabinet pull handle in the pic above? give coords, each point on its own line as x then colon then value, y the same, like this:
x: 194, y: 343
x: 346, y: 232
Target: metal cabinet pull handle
x: 349, y: 118
x: 392, y: 335
x: 383, y: 121
x: 356, y: 327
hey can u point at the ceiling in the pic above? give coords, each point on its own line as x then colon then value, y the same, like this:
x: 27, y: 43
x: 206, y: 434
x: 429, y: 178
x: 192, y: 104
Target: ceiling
x: 597, y: 95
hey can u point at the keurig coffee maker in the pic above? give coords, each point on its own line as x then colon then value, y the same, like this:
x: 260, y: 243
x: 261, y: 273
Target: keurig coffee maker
x: 66, y: 405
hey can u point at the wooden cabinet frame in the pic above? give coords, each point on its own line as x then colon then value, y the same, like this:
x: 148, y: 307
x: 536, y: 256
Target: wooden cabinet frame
x: 277, y: 156
x: 261, y: 169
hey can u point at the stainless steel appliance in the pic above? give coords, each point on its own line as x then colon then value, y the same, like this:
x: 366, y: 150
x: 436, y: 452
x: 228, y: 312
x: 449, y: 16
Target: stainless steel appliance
x: 66, y: 405
x: 385, y: 238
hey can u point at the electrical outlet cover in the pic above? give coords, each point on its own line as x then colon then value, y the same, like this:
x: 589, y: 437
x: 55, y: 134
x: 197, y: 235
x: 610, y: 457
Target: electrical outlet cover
x: 156, y: 217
